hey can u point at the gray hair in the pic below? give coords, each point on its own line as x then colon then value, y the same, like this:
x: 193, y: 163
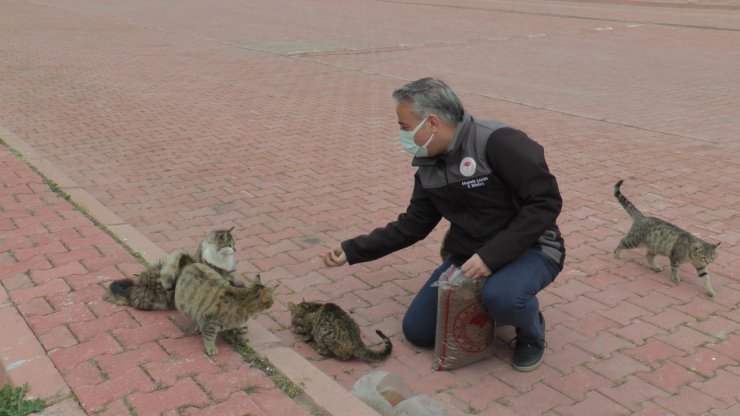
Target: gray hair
x: 431, y: 95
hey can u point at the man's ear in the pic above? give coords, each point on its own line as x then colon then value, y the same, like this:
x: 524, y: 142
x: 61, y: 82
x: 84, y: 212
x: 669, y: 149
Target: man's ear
x: 434, y: 121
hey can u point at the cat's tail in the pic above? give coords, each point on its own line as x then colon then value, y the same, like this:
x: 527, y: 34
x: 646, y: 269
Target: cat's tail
x: 128, y: 292
x: 169, y: 268
x: 625, y: 203
x: 367, y: 354
x: 119, y: 292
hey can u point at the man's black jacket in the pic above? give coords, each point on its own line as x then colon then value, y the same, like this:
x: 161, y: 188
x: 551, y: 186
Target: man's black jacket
x: 495, y: 189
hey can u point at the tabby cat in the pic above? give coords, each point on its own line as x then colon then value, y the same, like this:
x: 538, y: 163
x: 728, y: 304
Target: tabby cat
x: 215, y: 305
x: 335, y: 332
x: 660, y: 237
x: 153, y: 288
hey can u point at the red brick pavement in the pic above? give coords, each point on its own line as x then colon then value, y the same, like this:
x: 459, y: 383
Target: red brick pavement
x: 62, y: 338
x: 181, y: 119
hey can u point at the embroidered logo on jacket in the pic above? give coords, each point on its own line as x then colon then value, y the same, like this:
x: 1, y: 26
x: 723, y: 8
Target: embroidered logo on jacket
x: 467, y: 166
x: 475, y: 183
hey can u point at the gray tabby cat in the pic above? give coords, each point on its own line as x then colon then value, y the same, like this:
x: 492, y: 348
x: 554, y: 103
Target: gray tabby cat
x: 335, y: 332
x: 153, y: 288
x: 660, y: 237
x: 215, y: 305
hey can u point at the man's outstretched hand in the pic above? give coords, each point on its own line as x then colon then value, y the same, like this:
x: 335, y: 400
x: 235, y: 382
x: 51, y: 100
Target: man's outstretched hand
x: 334, y: 258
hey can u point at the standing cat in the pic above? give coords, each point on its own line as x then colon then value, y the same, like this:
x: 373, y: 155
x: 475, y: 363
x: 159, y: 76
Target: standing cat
x: 335, y: 332
x: 215, y: 305
x: 660, y: 237
x: 153, y: 289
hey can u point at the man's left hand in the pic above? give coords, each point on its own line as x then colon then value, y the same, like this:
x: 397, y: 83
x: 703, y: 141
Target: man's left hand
x: 475, y: 268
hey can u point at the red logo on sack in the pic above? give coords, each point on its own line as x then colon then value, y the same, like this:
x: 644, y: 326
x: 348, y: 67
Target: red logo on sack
x: 472, y: 329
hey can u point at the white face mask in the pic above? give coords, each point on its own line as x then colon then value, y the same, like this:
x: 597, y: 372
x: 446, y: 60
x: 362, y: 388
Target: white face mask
x: 407, y: 141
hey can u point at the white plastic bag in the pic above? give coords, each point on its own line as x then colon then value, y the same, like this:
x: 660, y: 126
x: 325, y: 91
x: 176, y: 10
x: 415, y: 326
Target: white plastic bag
x: 389, y: 395
x: 382, y: 391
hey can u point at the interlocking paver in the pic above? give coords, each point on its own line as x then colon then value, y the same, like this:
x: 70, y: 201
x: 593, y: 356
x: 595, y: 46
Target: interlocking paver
x: 631, y: 392
x: 86, y: 373
x: 144, y: 353
x: 68, y: 358
x: 93, y: 397
x: 669, y: 377
x: 637, y: 332
x: 690, y: 401
x: 36, y: 306
x: 184, y: 393
x: 170, y: 124
x: 477, y: 396
x: 237, y: 404
x: 594, y: 403
x: 71, y: 313
x: 169, y: 372
x: 653, y: 351
x: 591, y: 325
x: 26, y: 295
x: 577, y: 384
x: 221, y: 386
x: 69, y: 269
x: 705, y: 361
x: 537, y: 401
x: 60, y: 337
x: 618, y: 366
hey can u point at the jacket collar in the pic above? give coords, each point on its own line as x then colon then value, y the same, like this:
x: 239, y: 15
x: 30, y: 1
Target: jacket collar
x: 462, y: 129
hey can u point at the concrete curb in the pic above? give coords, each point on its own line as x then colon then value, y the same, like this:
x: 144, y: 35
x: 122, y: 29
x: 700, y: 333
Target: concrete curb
x: 321, y: 390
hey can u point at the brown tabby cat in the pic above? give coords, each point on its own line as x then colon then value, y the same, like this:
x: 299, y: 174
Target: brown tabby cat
x: 215, y: 305
x: 660, y: 237
x: 153, y: 288
x: 335, y: 332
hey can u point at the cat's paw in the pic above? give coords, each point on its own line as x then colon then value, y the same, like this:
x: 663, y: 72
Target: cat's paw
x: 657, y: 268
x: 708, y: 287
x: 675, y: 279
x: 211, y: 350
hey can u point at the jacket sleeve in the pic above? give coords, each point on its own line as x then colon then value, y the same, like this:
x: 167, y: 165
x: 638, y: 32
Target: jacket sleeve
x: 520, y: 163
x: 415, y: 224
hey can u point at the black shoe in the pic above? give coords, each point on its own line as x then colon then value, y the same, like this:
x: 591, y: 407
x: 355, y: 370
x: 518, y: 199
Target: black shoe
x: 528, y: 353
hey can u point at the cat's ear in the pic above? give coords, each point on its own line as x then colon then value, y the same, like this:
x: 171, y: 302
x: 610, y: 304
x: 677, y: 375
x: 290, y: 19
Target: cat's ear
x: 716, y: 246
x: 231, y: 229
x: 291, y: 306
x: 258, y: 279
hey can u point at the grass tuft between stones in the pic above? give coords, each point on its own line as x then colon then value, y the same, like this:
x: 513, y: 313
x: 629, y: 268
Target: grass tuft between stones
x: 12, y: 402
